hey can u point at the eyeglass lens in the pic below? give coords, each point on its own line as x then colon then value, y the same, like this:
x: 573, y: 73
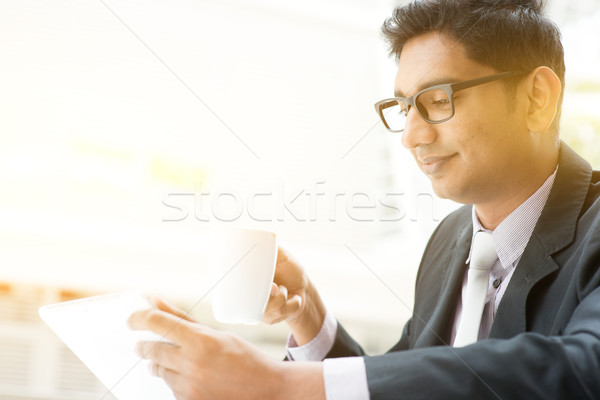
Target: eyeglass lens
x: 433, y: 105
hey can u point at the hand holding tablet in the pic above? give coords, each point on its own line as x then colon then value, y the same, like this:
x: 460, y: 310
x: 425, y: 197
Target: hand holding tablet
x: 96, y: 330
x: 115, y: 335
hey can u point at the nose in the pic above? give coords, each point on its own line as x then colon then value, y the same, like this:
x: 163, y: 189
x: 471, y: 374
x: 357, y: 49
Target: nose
x: 417, y: 131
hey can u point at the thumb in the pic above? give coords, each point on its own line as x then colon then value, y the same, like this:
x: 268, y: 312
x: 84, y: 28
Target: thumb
x: 166, y: 307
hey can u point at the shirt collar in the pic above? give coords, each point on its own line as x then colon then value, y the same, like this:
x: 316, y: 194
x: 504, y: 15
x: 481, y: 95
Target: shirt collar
x: 513, y: 233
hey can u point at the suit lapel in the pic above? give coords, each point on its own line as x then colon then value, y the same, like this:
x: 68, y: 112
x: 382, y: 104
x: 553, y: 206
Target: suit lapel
x: 438, y: 329
x: 534, y: 266
x: 554, y: 231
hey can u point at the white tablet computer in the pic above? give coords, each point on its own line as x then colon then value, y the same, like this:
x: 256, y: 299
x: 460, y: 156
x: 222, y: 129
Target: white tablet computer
x: 95, y: 329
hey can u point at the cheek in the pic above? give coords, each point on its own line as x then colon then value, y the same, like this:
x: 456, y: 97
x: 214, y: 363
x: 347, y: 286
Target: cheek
x: 479, y: 132
x: 476, y: 146
x: 460, y: 135
x: 482, y: 125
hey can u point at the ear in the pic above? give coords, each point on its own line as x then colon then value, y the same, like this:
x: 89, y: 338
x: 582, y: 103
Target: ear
x: 543, y: 91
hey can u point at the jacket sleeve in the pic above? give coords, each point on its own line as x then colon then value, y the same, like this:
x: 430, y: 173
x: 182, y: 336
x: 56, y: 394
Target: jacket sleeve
x: 345, y: 346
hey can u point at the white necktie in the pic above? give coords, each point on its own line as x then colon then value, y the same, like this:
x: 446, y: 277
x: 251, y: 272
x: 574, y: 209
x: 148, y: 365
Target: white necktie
x: 483, y: 256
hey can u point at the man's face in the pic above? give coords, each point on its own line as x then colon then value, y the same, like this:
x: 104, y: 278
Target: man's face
x: 485, y: 148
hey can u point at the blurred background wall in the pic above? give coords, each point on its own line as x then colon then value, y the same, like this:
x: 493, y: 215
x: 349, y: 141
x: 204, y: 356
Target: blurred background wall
x: 130, y: 129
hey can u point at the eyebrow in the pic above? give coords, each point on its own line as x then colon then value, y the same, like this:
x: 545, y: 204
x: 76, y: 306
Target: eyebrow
x: 425, y: 84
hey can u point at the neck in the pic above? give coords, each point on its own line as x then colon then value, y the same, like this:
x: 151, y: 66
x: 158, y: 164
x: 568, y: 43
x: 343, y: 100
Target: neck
x: 491, y: 213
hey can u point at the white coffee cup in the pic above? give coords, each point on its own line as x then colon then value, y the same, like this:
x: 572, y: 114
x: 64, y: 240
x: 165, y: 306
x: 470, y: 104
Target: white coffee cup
x: 242, y: 267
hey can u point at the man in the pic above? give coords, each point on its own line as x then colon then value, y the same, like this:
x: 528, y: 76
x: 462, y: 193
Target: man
x: 490, y: 140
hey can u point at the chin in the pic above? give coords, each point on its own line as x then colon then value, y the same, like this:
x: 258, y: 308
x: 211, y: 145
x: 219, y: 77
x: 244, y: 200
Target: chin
x: 452, y: 193
x: 441, y: 193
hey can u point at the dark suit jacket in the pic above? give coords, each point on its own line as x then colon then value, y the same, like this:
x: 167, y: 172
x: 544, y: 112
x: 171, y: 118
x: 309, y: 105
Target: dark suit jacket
x: 545, y: 339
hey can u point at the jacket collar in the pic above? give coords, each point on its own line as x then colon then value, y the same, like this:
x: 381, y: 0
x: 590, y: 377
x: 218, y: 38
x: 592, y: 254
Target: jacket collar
x: 557, y: 224
x: 554, y: 231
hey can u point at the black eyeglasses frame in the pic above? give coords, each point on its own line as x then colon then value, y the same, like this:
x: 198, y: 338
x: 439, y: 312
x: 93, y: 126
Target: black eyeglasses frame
x: 449, y: 88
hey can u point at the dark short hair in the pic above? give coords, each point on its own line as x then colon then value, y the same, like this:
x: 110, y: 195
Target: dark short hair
x: 507, y: 35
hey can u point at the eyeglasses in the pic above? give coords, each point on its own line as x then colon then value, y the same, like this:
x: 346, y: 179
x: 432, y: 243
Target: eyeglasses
x: 434, y: 104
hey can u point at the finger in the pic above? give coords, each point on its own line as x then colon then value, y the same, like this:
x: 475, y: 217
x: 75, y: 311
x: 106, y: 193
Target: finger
x: 284, y: 292
x: 285, y: 268
x: 292, y: 306
x: 294, y: 303
x: 164, y: 324
x: 163, y: 305
x: 160, y: 353
x: 278, y: 299
x: 282, y: 254
x: 287, y: 310
x: 172, y: 378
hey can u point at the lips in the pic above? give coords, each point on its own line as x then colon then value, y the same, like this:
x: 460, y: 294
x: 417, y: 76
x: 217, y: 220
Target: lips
x: 433, y: 165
